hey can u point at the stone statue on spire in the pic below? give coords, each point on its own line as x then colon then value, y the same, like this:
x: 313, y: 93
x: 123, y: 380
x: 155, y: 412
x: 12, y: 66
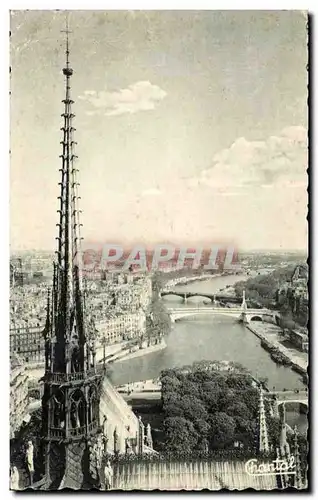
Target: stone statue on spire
x: 284, y: 445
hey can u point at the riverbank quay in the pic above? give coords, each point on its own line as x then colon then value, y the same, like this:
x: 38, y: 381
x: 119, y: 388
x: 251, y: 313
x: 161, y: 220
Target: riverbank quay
x: 36, y: 370
x: 113, y: 353
x: 184, y: 280
x: 144, y: 390
x: 150, y: 385
x: 270, y: 336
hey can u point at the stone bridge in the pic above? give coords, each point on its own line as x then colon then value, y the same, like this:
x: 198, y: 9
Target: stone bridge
x: 210, y: 296
x: 240, y: 313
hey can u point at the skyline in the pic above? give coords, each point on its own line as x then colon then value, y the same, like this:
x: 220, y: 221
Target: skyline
x: 215, y: 106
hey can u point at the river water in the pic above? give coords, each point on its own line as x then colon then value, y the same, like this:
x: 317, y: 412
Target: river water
x: 213, y: 338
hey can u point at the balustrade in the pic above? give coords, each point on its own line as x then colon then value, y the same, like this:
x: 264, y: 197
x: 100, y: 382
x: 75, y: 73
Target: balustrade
x: 60, y: 378
x: 57, y: 433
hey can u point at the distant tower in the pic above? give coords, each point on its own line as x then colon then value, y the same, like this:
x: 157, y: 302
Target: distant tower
x: 243, y: 317
x: 70, y: 404
x: 263, y: 435
x: 244, y: 305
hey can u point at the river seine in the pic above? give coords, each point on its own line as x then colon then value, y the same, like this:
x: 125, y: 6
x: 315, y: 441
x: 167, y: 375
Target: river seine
x: 215, y: 338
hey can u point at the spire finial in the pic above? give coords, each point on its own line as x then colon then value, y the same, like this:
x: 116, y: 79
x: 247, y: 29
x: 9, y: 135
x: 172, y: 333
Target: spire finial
x: 67, y: 70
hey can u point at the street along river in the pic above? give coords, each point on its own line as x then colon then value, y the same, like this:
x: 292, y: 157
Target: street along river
x: 214, y: 338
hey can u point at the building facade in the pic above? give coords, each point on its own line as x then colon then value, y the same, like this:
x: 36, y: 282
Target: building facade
x: 299, y: 339
x: 119, y: 327
x: 28, y: 343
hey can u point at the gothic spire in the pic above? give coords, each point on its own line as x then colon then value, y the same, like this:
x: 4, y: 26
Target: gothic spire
x: 298, y: 478
x: 70, y: 351
x: 263, y: 435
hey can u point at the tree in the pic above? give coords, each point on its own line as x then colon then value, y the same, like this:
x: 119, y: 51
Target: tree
x: 251, y: 399
x: 202, y: 427
x: 173, y: 408
x: 193, y: 409
x: 239, y: 410
x: 246, y: 431
x: 189, y: 388
x: 158, y: 319
x: 170, y: 384
x: 238, y: 381
x: 222, y: 429
x: 181, y: 436
x: 211, y: 393
x: 221, y: 406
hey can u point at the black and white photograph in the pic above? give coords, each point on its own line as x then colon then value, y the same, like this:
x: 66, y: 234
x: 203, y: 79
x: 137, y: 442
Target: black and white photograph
x: 159, y: 300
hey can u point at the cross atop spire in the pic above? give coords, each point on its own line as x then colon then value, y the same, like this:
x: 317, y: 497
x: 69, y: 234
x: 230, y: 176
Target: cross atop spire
x: 67, y: 31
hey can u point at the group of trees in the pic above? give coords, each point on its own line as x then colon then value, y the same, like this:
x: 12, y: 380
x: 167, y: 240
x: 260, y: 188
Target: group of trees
x: 293, y: 308
x: 263, y: 288
x: 158, y: 322
x: 205, y: 410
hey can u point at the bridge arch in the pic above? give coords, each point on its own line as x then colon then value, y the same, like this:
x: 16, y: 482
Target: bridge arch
x: 172, y: 294
x: 303, y: 404
x: 178, y: 314
x: 256, y: 318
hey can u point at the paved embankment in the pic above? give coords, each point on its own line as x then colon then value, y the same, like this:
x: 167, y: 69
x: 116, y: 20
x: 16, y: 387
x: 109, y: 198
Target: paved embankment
x: 113, y: 353
x: 145, y: 389
x: 123, y: 356
x: 270, y: 334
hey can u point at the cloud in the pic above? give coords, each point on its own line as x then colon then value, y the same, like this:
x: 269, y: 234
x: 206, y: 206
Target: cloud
x: 279, y: 161
x: 140, y: 96
x: 151, y: 192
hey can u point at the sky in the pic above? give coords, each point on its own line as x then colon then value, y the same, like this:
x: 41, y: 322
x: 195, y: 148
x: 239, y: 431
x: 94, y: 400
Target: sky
x: 191, y: 126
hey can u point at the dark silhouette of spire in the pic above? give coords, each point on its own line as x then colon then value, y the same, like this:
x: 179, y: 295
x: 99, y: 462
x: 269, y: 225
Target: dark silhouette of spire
x: 68, y: 323
x: 70, y: 404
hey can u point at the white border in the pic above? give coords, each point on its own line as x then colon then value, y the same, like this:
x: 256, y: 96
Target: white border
x: 161, y: 5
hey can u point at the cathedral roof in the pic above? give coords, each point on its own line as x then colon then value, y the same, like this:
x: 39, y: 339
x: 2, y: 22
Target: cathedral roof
x: 198, y: 475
